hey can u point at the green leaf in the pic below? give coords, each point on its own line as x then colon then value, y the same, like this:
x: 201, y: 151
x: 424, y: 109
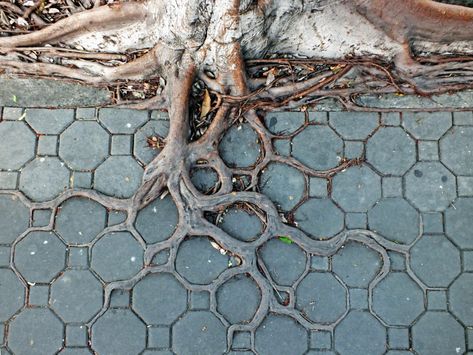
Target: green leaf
x: 285, y: 239
x: 15, y: 99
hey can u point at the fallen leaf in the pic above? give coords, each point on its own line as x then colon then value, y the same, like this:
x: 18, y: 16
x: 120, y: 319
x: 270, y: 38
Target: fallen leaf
x: 205, y: 104
x: 285, y: 239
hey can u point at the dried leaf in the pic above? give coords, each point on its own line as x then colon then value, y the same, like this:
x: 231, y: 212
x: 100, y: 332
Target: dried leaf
x: 205, y: 104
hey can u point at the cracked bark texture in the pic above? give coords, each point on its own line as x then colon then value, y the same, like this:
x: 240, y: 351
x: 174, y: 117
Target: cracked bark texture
x: 350, y: 47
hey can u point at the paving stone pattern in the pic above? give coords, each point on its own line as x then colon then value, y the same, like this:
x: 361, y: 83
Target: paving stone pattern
x: 407, y: 288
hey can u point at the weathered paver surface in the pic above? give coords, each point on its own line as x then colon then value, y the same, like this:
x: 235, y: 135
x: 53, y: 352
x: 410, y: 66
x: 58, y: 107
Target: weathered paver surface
x: 403, y: 287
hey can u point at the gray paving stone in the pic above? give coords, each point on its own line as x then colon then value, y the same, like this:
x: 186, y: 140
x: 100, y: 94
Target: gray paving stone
x: 356, y: 220
x: 318, y: 117
x: 465, y: 185
x: 283, y: 184
x: 354, y: 149
x: 157, y: 221
x: 47, y: 145
x: 318, y: 262
x: 390, y: 118
x: 17, y: 144
x: 392, y: 186
x: 399, y: 352
x: 121, y: 145
x: 8, y: 180
x: 432, y: 223
x: 120, y: 298
x: 40, y: 256
x: 430, y: 186
x: 35, y: 331
x: 449, y: 335
x: 79, y: 220
x: 240, y: 146
x: 358, y: 298
x: 468, y: 260
x: 280, y: 335
x: 159, y: 337
x: 14, y: 218
x: 318, y: 147
x: 354, y: 125
x: 398, y: 338
x: 455, y: 222
x: 78, y: 257
x: 427, y: 125
x: 463, y: 118
x: 320, y: 218
x: 321, y: 340
x: 13, y: 294
x: 205, y: 180
x: 356, y: 264
x: 47, y: 121
x: 117, y: 256
x: 391, y: 151
x: 428, y: 150
x: 84, y: 113
x: 159, y: 299
x: 41, y: 217
x: 38, y: 295
x: 238, y: 299
x: 437, y: 300
x: 241, y: 340
x: 118, y: 176
x: 84, y: 145
x: 360, y: 334
x: 199, y: 333
x: 116, y: 217
x: 241, y: 224
x: 395, y: 219
x: 76, y: 335
x: 141, y: 149
x: 12, y: 113
x: 461, y: 298
x: 5, y: 252
x: 282, y: 146
x: 318, y: 187
x: 75, y: 351
x: 76, y: 296
x: 397, y: 299
x: 198, y: 262
x: 435, y: 260
x: 456, y: 150
x: 123, y: 121
x: 284, y: 123
x: 126, y: 330
x: 356, y: 189
x: 285, y: 262
x: 199, y: 300
x: 81, y: 180
x: 44, y: 178
x: 157, y: 352
x: 321, y: 297
x: 161, y: 258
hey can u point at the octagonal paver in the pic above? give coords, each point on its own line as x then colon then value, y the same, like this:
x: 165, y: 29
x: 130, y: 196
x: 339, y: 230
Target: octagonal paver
x: 395, y: 219
x: 283, y: 184
x: 284, y: 123
x: 455, y: 222
x: 44, y: 178
x: 241, y: 224
x: 449, y: 335
x: 199, y: 333
x: 356, y: 189
x: 14, y: 218
x: 76, y: 296
x: 157, y: 221
x: 118, y: 176
x: 142, y: 151
x: 280, y: 335
x: 359, y: 333
x: 17, y: 145
x: 456, y: 150
x: 35, y: 331
x: 397, y: 299
x: 356, y: 264
x: 240, y: 146
x: 391, y: 151
x: 40, y: 256
x: 435, y: 260
x: 461, y: 298
x: 320, y: 218
x: 117, y: 256
x: 75, y: 351
x: 430, y: 186
x: 13, y: 294
x: 285, y: 262
x: 84, y: 145
x: 238, y: 299
x: 321, y: 297
x: 354, y: 125
x: 122, y: 120
x: 80, y: 220
x: 47, y: 121
x: 159, y: 299
x: 198, y: 262
x: 427, y: 125
x: 118, y: 332
x: 318, y: 147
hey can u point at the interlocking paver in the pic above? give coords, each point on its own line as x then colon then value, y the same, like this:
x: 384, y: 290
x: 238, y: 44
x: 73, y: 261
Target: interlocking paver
x: 204, y: 179
x: 240, y: 146
x: 427, y: 125
x: 455, y: 226
x: 13, y: 293
x: 17, y: 144
x: 318, y: 147
x: 284, y: 123
x: 118, y: 176
x: 45, y: 121
x: 461, y: 298
x: 84, y: 145
x: 241, y: 224
x: 320, y: 218
x: 354, y: 125
x: 122, y: 120
x: 14, y: 218
x: 456, y: 150
x: 391, y: 151
x: 141, y: 149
